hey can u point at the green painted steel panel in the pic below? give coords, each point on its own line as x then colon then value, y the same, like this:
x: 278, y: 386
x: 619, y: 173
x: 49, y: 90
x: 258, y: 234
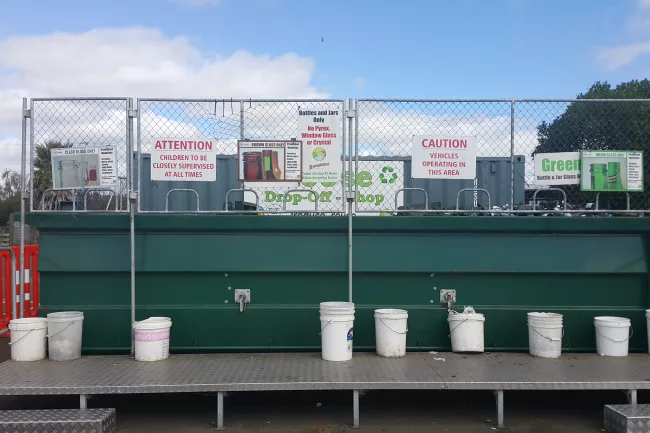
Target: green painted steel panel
x: 188, y: 267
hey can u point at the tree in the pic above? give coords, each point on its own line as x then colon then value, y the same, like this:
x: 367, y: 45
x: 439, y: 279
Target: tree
x: 9, y: 195
x: 602, y: 126
x: 43, y: 175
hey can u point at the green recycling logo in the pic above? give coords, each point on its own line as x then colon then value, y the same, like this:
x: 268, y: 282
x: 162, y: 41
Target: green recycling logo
x: 387, y: 175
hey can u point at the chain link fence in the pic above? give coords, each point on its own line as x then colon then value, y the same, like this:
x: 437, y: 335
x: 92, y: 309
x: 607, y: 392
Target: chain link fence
x: 527, y: 155
x: 70, y: 141
x: 224, y: 123
x: 512, y: 137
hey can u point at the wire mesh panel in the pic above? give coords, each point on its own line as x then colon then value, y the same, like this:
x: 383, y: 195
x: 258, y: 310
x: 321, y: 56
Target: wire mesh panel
x: 223, y: 123
x: 216, y: 122
x: 79, y: 154
x: 279, y: 120
x: 386, y: 129
x: 552, y: 134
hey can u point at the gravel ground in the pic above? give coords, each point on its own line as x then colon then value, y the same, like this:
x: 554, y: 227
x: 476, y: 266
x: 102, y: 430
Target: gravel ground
x: 330, y: 412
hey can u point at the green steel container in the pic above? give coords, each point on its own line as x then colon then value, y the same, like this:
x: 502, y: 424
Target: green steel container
x: 188, y: 267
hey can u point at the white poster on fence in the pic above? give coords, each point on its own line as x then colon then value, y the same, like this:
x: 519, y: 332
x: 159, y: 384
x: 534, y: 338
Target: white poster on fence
x: 321, y: 132
x: 84, y: 167
x: 561, y: 168
x: 377, y: 182
x: 191, y: 159
x: 443, y: 157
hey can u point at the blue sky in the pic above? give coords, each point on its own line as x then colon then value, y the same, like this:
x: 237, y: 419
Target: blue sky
x: 309, y: 49
x: 412, y: 48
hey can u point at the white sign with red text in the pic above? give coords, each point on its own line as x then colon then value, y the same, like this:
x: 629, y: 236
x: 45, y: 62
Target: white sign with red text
x: 191, y: 159
x: 443, y: 157
x: 321, y: 132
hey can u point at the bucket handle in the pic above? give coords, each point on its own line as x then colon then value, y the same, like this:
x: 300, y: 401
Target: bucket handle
x: 617, y: 341
x: 70, y: 323
x: 323, y: 328
x: 396, y: 332
x: 28, y: 332
x: 452, y: 329
x: 542, y: 335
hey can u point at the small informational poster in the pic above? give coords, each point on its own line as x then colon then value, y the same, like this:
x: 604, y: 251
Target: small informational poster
x: 192, y: 159
x: 269, y: 161
x: 443, y: 157
x: 321, y: 131
x: 84, y: 167
x: 612, y: 171
x: 561, y: 168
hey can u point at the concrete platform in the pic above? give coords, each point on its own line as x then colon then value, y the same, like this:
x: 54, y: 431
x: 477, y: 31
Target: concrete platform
x: 223, y: 373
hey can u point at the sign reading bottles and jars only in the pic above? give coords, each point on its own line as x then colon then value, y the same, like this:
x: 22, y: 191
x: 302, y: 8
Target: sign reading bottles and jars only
x: 614, y: 171
x: 321, y: 131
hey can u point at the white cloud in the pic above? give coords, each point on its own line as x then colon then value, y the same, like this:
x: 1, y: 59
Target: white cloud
x: 135, y: 62
x: 618, y: 57
x: 196, y: 3
x: 637, y: 27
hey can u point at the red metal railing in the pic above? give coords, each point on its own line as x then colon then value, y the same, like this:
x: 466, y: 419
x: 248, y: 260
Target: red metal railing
x: 31, y: 284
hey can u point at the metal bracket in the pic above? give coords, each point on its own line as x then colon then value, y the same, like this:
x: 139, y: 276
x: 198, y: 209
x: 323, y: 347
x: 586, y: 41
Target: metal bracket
x: 27, y: 114
x: 351, y: 114
x: 350, y: 196
x: 448, y: 297
x: 243, y: 297
x: 631, y: 396
x: 133, y: 113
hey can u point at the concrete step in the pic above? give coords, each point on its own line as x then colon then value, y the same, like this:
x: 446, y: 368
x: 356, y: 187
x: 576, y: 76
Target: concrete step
x: 58, y: 420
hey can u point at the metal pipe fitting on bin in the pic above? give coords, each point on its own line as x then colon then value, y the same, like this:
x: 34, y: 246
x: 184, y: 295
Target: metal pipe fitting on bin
x: 549, y: 189
x: 426, y: 196
x: 178, y: 190
x: 284, y: 197
x: 473, y: 190
x: 12, y: 281
x: 85, y: 194
x: 257, y: 197
x: 627, y: 195
x: 71, y: 191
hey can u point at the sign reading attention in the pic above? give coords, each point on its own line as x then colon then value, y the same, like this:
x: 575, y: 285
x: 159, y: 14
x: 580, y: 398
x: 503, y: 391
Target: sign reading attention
x: 188, y: 159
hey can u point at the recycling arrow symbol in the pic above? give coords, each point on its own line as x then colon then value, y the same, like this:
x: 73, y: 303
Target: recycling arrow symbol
x: 387, y: 175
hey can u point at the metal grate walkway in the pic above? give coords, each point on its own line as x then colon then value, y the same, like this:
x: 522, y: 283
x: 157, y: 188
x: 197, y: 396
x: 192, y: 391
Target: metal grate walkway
x: 221, y: 373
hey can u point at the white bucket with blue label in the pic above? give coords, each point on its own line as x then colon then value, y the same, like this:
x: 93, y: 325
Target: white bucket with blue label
x: 337, y: 330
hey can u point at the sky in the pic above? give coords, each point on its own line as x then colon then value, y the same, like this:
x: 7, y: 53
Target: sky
x: 311, y: 49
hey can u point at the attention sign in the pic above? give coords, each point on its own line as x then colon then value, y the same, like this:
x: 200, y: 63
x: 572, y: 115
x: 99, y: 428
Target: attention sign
x: 187, y: 159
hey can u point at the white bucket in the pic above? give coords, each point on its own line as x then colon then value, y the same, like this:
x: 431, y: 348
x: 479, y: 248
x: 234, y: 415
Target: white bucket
x: 337, y: 330
x: 612, y: 335
x: 466, y: 332
x: 64, y: 333
x: 28, y: 339
x: 545, y: 333
x: 152, y: 338
x: 390, y: 332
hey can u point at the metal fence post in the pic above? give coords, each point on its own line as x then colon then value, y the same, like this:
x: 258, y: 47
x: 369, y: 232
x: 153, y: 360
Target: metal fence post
x: 31, y: 154
x: 23, y: 197
x: 351, y: 196
x: 512, y: 155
